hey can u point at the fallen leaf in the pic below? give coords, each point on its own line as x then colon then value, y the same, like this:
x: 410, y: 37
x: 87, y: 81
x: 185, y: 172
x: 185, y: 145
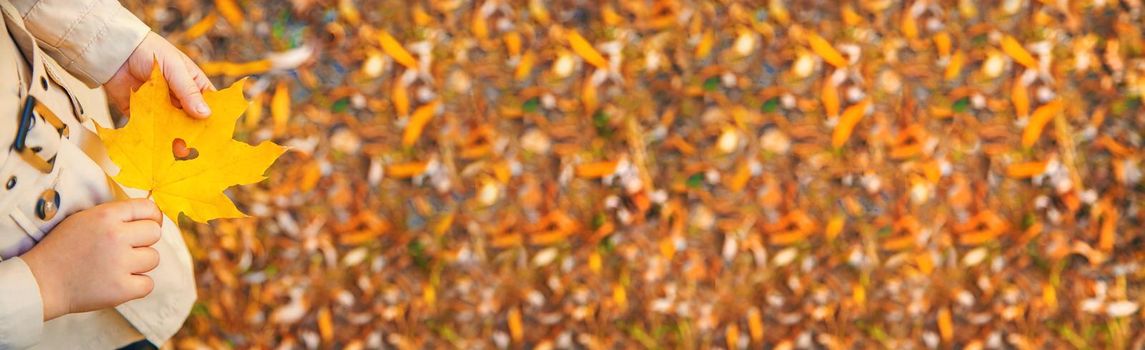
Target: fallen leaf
x: 585, y: 50
x: 254, y: 112
x: 942, y: 43
x: 417, y: 123
x: 595, y: 170
x: 393, y: 48
x: 1025, y: 170
x: 829, y: 94
x: 280, y: 107
x: 1014, y: 48
x: 1038, y: 121
x: 825, y: 50
x: 707, y: 41
x: 515, y: 329
x: 1020, y: 97
x: 232, y: 12
x: 945, y: 325
x: 851, y: 117
x: 202, y: 27
x: 406, y: 170
x: 400, y: 97
x: 954, y: 67
x: 232, y: 69
x: 525, y: 66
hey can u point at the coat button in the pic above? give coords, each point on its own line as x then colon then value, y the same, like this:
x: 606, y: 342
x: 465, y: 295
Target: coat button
x: 48, y: 204
x: 11, y: 182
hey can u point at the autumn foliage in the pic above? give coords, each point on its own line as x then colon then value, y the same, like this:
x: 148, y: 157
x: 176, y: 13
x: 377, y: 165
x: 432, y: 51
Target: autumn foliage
x: 663, y: 174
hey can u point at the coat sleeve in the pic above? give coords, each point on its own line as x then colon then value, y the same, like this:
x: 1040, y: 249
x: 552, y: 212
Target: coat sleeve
x: 21, y: 309
x: 89, y: 38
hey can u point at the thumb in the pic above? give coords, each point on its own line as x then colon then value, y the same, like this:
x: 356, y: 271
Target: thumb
x: 185, y: 89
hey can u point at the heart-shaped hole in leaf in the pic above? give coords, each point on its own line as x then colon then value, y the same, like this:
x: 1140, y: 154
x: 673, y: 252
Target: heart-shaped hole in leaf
x: 181, y: 152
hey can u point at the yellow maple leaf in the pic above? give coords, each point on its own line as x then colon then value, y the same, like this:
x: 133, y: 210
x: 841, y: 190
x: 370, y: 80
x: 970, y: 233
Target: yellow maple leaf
x: 184, y: 162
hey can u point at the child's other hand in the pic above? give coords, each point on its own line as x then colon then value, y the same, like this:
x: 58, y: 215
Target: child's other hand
x: 186, y: 80
x: 96, y: 258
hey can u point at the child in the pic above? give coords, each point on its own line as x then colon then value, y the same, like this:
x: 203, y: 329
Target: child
x: 81, y: 264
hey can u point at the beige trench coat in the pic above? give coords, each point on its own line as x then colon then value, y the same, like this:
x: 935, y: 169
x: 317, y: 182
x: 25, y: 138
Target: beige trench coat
x: 58, y: 52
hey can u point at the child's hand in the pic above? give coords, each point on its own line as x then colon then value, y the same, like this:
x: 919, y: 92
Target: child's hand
x: 187, y: 81
x: 96, y: 258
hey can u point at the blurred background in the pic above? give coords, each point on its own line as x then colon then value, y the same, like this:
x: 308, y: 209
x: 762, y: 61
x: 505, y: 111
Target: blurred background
x: 676, y: 174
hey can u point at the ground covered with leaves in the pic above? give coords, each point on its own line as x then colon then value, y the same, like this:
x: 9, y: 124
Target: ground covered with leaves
x: 776, y: 174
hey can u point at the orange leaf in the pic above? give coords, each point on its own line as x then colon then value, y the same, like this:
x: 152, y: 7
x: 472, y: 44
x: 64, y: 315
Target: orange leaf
x: 588, y: 96
x: 787, y: 237
x: 479, y: 27
x: 847, y: 122
x: 1013, y: 48
x: 406, y: 170
x: 755, y: 325
x: 859, y: 295
x: 835, y: 227
x: 829, y: 94
x: 595, y: 170
x: 400, y: 97
x: 909, y: 26
x: 393, y: 48
x: 549, y: 237
x: 620, y: 296
x: 732, y: 336
x: 280, y: 107
x: 429, y: 295
x: 1113, y: 146
x: 945, y: 325
x: 739, y: 180
x: 200, y: 28
x: 1021, y: 98
x: 232, y: 12
x: 525, y: 66
x: 417, y: 123
x: 539, y: 12
x: 977, y: 237
x: 1050, y: 297
x: 925, y: 264
x: 515, y: 329
x: 1108, y: 224
x: 954, y: 67
x: 512, y: 43
x: 707, y: 41
x: 254, y: 112
x: 825, y: 50
x: 1038, y: 121
x: 505, y: 241
x: 942, y: 43
x: 325, y: 325
x: 232, y: 69
x: 583, y: 48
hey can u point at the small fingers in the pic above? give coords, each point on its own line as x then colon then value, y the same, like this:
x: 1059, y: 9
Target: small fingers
x: 137, y: 286
x: 142, y: 233
x: 201, y: 80
x: 143, y: 260
x: 136, y: 209
x: 186, y: 89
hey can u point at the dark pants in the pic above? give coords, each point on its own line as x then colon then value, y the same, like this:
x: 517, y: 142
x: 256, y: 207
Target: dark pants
x: 139, y: 345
